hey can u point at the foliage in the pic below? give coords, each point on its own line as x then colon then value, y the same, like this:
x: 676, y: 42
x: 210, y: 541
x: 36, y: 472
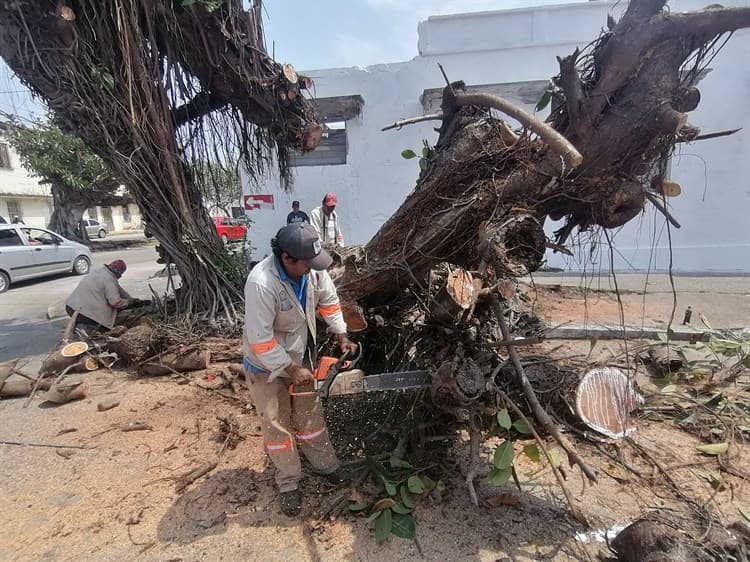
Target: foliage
x: 400, y: 485
x: 219, y: 184
x: 60, y: 158
x: 502, y: 461
x: 424, y: 159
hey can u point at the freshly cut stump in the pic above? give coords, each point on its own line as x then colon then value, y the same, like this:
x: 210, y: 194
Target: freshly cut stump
x: 604, y: 400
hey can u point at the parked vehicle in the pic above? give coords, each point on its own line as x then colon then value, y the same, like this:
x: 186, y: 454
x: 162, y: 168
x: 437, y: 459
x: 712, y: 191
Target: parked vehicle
x: 95, y: 228
x: 27, y: 252
x: 229, y: 229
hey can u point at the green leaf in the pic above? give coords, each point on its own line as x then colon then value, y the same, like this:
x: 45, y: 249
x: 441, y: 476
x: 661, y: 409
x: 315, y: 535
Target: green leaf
x: 503, y: 455
x: 404, y: 526
x: 395, y: 462
x: 373, y: 516
x: 531, y: 451
x: 390, y: 488
x: 401, y: 508
x: 503, y: 418
x: 408, y: 154
x: 358, y: 506
x: 425, y: 152
x: 415, y: 485
x: 714, y: 448
x: 544, y: 100
x: 406, y: 498
x: 422, y: 164
x: 521, y: 426
x: 383, y: 525
x: 500, y: 476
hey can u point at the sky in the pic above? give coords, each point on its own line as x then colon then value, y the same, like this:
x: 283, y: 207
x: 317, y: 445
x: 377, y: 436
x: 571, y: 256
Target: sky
x: 313, y: 34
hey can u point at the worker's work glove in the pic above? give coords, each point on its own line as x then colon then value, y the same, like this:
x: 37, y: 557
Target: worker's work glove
x: 299, y: 375
x: 346, y: 344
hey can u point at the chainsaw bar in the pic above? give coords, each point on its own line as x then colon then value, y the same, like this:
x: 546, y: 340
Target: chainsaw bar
x: 356, y: 382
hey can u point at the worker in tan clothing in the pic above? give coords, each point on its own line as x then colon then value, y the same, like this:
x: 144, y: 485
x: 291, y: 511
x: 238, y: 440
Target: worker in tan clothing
x: 99, y: 296
x: 282, y: 295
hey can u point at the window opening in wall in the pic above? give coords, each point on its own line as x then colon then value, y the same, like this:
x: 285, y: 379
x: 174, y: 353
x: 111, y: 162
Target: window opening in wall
x: 4, y: 156
x: 330, y: 152
x: 92, y: 213
x: 126, y: 216
x: 14, y: 209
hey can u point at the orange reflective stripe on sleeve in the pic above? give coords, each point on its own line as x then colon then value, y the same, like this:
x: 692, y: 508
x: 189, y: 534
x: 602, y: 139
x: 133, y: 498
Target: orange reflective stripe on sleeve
x: 329, y: 310
x: 278, y: 445
x: 264, y: 346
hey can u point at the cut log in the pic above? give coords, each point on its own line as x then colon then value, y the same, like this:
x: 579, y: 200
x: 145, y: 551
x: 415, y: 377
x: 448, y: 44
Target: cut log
x: 191, y: 359
x: 134, y: 345
x: 455, y: 297
x: 7, y: 369
x: 20, y: 387
x: 61, y: 392
x: 605, y: 399
x: 61, y: 359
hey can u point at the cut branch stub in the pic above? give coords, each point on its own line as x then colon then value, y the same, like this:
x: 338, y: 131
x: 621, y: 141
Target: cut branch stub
x: 517, y: 243
x: 457, y: 295
x: 604, y: 400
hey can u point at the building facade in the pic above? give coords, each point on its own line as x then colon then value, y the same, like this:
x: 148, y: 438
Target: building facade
x: 20, y: 193
x: 22, y: 196
x: 512, y: 53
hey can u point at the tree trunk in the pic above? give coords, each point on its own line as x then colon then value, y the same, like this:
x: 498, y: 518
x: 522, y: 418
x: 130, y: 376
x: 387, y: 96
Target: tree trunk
x: 66, y: 215
x: 113, y: 73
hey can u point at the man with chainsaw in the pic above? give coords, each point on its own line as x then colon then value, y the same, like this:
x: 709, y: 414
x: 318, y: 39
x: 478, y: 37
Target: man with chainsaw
x: 282, y: 295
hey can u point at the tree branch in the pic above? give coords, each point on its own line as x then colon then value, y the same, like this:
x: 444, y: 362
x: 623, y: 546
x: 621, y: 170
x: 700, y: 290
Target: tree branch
x: 572, y: 87
x: 401, y: 122
x: 558, y: 143
x: 706, y: 22
x: 202, y: 103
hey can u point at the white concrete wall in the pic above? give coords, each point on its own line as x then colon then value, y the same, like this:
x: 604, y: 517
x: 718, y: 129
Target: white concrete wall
x: 36, y: 211
x: 521, y: 45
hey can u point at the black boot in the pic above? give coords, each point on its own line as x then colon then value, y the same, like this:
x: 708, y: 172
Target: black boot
x: 338, y: 477
x: 291, y: 502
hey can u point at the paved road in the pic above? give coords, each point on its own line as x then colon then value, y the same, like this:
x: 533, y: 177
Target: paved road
x: 24, y: 327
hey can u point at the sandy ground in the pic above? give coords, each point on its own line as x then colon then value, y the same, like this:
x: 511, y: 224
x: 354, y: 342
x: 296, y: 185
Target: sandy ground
x: 113, y: 496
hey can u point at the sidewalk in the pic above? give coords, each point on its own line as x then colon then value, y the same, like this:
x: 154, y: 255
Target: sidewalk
x: 646, y: 300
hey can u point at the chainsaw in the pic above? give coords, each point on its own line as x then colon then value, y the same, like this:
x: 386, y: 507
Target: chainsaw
x: 339, y: 377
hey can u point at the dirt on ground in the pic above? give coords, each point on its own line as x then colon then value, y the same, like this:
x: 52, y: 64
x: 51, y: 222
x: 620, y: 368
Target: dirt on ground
x: 95, y: 492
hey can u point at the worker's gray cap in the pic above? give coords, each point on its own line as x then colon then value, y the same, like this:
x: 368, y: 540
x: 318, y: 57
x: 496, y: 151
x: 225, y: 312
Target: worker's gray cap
x: 301, y: 241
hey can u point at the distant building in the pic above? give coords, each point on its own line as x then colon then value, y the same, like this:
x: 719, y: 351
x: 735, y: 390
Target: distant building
x: 20, y: 193
x: 22, y: 196
x: 512, y: 53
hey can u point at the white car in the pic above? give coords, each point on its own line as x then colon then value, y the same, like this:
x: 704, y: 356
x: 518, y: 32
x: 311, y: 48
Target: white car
x: 94, y: 228
x: 27, y: 252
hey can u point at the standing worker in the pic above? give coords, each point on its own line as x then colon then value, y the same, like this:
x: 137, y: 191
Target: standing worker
x: 297, y: 216
x: 99, y: 296
x: 282, y: 294
x: 326, y: 221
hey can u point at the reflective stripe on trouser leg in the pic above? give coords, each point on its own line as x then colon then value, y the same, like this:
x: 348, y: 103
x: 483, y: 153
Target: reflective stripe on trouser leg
x: 312, y: 434
x: 272, y: 402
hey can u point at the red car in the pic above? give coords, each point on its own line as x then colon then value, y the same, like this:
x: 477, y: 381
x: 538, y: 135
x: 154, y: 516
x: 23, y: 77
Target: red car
x: 229, y: 229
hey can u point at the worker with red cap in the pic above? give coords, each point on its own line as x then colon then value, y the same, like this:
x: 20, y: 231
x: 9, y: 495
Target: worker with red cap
x: 326, y: 221
x: 99, y: 296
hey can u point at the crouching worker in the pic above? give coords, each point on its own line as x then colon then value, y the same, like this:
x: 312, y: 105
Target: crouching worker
x: 282, y: 295
x: 99, y: 296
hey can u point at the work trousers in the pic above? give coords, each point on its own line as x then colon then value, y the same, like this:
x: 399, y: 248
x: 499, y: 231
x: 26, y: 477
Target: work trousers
x: 291, y: 423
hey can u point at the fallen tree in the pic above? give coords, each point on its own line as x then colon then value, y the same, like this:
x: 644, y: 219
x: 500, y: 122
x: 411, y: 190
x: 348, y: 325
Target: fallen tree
x: 618, y: 110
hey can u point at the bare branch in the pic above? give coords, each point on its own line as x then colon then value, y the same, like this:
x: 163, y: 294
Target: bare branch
x: 706, y: 22
x: 572, y: 87
x: 555, y: 140
x: 400, y: 123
